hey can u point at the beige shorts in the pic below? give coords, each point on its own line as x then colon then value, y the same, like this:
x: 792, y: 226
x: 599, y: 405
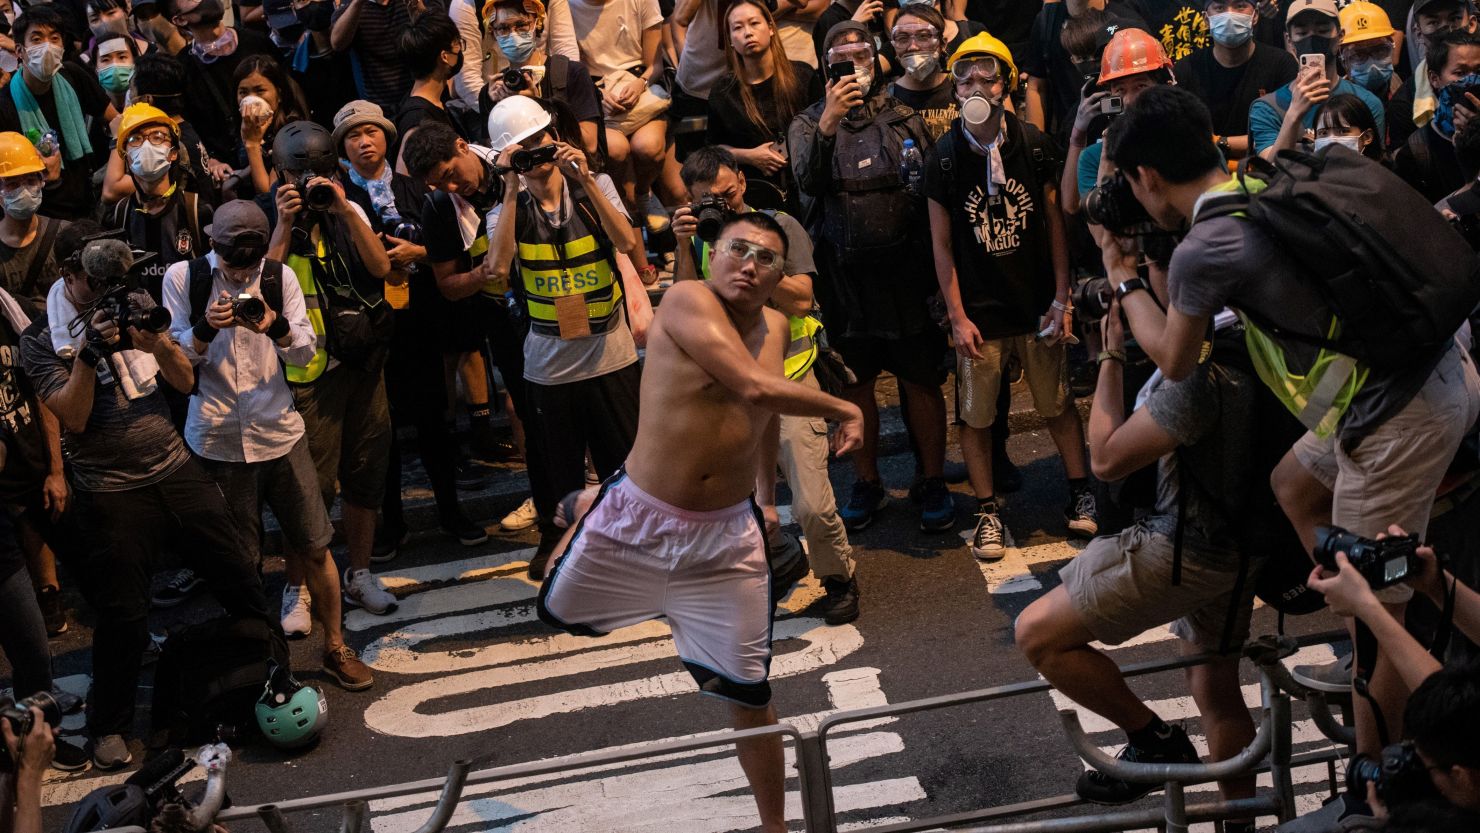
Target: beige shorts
x: 977, y: 380
x: 1121, y: 586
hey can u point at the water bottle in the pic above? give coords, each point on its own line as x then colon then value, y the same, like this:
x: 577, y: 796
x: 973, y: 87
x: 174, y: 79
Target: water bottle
x: 911, y: 167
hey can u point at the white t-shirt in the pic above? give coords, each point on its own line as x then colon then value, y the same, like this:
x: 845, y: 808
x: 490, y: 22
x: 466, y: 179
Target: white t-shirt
x: 702, y: 63
x: 610, y: 33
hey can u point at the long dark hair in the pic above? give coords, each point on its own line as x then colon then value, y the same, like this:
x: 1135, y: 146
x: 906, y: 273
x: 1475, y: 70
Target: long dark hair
x: 292, y: 106
x: 783, y: 80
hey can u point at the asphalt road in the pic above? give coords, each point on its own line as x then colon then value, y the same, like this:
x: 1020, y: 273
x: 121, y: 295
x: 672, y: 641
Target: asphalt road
x: 465, y: 670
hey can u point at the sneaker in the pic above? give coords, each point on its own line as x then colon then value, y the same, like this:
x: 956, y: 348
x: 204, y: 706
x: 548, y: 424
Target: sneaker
x: 465, y: 531
x: 841, y: 604
x: 990, y: 539
x: 867, y: 499
x: 297, y: 614
x: 1098, y: 788
x: 363, y: 589
x: 177, y: 589
x: 1080, y: 513
x: 1006, y: 478
x: 937, y: 510
x: 471, y: 476
x: 70, y: 758
x: 110, y: 752
x: 49, y: 599
x: 522, y: 517
x: 389, y: 539
x: 344, y: 666
x: 1334, y: 677
x: 1344, y: 812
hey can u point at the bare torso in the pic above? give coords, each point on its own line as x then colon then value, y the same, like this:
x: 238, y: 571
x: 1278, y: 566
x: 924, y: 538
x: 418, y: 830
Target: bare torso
x: 696, y: 439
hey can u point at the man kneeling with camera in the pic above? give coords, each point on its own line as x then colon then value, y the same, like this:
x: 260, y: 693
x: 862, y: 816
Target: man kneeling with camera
x: 97, y: 360
x: 1200, y: 433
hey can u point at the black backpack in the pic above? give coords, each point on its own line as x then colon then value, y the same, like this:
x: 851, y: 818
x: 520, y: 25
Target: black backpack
x: 200, y: 286
x: 870, y: 213
x: 210, y: 676
x: 1398, y: 277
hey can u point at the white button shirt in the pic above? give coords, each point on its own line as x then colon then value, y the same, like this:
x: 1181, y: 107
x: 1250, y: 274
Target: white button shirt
x: 243, y: 410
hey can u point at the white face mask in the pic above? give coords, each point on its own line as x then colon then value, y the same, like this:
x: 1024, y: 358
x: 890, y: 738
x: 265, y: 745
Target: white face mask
x: 149, y: 162
x: 43, y: 60
x: 865, y: 80
x: 976, y: 110
x: 920, y: 65
x: 1353, y: 143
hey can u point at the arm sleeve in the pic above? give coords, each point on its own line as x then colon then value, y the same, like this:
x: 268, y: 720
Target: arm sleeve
x: 304, y: 344
x: 176, y: 293
x: 469, y: 81
x: 561, y: 37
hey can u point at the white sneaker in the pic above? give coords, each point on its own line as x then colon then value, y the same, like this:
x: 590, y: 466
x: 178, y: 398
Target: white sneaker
x: 297, y: 613
x: 363, y: 589
x: 522, y: 518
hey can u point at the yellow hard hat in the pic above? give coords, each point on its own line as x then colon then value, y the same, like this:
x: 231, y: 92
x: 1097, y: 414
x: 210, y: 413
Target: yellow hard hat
x: 1362, y: 20
x: 136, y: 116
x: 18, y: 156
x: 986, y: 44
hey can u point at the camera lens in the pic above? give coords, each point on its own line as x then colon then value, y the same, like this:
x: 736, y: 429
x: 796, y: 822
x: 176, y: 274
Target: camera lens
x: 250, y: 310
x: 319, y: 197
x: 1092, y: 299
x: 1331, y: 540
x: 513, y: 80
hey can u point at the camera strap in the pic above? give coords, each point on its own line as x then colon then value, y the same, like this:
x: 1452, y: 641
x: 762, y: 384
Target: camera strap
x: 1364, y: 659
x: 40, y: 253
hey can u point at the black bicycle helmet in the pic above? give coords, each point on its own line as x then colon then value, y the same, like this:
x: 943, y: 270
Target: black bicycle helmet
x: 106, y: 808
x: 305, y: 146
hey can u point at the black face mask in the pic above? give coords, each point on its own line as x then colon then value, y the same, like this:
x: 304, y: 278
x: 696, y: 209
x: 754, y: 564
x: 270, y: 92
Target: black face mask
x: 458, y: 64
x: 316, y: 16
x: 1314, y: 45
x: 1088, y: 70
x: 241, y: 254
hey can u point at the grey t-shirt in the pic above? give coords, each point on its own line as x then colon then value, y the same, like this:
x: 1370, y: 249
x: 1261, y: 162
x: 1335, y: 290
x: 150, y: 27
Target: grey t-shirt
x: 551, y: 360
x: 1210, y: 415
x: 1227, y: 261
x: 127, y: 443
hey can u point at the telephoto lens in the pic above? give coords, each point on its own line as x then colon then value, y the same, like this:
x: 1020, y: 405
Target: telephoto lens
x: 20, y: 716
x: 1092, y: 299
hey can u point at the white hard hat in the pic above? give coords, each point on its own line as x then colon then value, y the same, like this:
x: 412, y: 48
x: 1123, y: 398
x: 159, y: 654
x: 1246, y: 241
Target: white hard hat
x: 515, y: 119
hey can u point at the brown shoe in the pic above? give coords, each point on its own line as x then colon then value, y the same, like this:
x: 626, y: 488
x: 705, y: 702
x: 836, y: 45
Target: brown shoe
x: 345, y: 667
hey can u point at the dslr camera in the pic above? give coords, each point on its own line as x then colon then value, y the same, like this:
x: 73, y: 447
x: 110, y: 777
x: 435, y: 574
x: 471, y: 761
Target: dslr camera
x: 112, y: 269
x: 248, y: 308
x: 318, y: 197
x: 514, y: 79
x: 1399, y: 775
x: 1382, y: 563
x: 21, y: 720
x: 1091, y: 299
x: 711, y: 212
x: 1112, y: 204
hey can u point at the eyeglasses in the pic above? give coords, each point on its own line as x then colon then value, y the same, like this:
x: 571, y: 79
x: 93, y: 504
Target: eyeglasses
x: 765, y: 259
x: 858, y: 53
x: 158, y: 138
x: 502, y: 29
x: 921, y: 36
x: 984, y: 69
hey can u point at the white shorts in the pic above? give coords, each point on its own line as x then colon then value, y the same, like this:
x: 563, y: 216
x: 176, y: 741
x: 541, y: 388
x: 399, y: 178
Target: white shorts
x: 633, y: 558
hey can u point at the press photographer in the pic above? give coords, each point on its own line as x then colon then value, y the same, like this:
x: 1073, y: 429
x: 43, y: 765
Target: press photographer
x: 97, y: 361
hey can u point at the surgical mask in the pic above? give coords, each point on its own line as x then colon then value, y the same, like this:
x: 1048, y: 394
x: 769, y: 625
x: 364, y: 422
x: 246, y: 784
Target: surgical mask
x: 116, y: 78
x: 21, y: 203
x: 1374, y: 75
x: 1314, y: 45
x: 1231, y: 29
x: 920, y: 65
x: 43, y: 60
x: 517, y: 46
x: 149, y: 162
x: 1353, y: 143
x: 1448, y: 98
x: 316, y: 16
x: 976, y: 110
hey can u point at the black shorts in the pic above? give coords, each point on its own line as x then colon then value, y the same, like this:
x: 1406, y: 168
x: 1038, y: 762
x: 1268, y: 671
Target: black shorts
x: 918, y: 359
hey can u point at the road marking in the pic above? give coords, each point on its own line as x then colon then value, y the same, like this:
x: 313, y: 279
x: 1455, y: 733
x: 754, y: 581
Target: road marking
x: 1014, y: 574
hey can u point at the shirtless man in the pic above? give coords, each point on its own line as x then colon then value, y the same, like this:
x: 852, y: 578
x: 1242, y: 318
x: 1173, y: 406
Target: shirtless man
x: 677, y: 533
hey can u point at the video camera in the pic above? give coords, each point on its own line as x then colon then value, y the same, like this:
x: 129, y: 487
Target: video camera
x: 112, y: 269
x: 1112, y: 204
x: 1398, y: 773
x: 523, y: 161
x: 18, y: 714
x: 711, y: 212
x: 1382, y: 563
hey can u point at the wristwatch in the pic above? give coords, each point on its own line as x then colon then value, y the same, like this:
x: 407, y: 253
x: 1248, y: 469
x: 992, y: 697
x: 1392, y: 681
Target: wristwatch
x: 1128, y: 286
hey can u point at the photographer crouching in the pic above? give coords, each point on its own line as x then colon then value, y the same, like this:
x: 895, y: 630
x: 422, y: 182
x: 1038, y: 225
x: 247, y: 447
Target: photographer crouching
x: 97, y: 361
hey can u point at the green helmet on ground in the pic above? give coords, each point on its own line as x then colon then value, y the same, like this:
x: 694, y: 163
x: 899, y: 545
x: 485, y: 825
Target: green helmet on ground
x: 290, y: 715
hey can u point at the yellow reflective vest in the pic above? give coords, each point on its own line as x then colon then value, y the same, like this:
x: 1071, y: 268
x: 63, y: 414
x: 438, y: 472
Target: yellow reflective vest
x: 554, y: 267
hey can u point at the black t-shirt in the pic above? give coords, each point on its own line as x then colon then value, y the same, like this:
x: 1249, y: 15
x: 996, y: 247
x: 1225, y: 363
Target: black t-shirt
x: 1010, y: 20
x: 1004, y: 265
x: 1180, y: 25
x: 170, y: 235
x: 728, y: 124
x: 1048, y: 60
x: 1228, y: 91
x: 27, y: 457
x: 936, y: 106
x: 71, y: 196
x: 210, y: 93
x: 414, y: 110
x: 441, y: 230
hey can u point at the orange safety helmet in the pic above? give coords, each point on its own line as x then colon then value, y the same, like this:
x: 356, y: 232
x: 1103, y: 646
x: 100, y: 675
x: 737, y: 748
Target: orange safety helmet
x: 1131, y: 52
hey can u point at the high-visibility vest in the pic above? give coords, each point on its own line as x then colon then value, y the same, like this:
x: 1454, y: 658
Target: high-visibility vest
x: 551, y: 267
x: 303, y: 270
x: 1320, y: 396
x: 802, y: 344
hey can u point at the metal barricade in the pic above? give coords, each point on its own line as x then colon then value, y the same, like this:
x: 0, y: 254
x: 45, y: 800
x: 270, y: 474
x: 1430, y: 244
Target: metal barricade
x: 1269, y: 751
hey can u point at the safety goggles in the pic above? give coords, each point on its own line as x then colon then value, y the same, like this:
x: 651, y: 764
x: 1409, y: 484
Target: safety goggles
x: 982, y: 69
x: 858, y: 53
x: 1366, y: 53
x: 903, y: 37
x: 765, y: 259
